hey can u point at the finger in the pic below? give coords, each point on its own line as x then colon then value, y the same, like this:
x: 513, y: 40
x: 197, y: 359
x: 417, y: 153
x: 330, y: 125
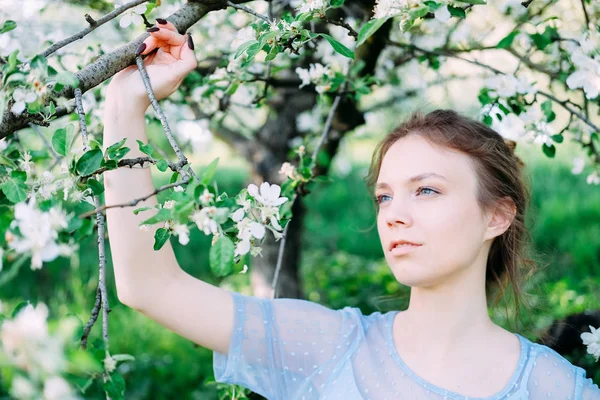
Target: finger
x: 163, y: 23
x: 187, y: 61
x: 172, y: 38
x: 149, y: 44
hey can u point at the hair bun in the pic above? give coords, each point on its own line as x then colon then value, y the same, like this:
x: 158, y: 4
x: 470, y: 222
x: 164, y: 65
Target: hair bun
x: 512, y: 145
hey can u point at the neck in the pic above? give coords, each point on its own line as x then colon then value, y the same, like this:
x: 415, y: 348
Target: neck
x: 449, y: 316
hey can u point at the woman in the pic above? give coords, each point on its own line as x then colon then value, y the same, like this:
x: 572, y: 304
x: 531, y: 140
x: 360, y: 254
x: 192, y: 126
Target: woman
x: 451, y: 223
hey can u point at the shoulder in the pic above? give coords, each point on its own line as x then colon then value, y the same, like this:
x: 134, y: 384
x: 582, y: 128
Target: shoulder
x: 551, y: 373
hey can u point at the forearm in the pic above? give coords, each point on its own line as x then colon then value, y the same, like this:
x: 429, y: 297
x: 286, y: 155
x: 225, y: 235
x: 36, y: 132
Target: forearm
x: 137, y: 267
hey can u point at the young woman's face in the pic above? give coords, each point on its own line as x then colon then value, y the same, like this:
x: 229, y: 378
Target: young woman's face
x: 440, y: 213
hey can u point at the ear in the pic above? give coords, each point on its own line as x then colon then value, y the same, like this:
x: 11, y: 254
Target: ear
x: 502, y: 217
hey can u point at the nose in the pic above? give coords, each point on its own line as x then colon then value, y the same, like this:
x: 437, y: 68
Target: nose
x: 397, y: 212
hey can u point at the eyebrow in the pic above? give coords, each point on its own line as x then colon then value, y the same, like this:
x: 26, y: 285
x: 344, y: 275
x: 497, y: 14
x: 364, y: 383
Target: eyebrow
x: 415, y: 178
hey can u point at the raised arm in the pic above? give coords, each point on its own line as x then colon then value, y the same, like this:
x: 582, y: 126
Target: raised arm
x: 147, y: 280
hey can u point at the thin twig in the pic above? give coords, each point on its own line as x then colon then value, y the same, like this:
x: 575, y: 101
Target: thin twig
x: 249, y: 11
x: 131, y: 162
x: 341, y: 23
x: 134, y: 202
x: 585, y: 13
x: 101, y: 233
x: 93, y: 25
x: 163, y: 119
x: 93, y: 318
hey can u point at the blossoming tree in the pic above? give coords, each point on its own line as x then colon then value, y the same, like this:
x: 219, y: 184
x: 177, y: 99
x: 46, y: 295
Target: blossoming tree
x: 282, y: 82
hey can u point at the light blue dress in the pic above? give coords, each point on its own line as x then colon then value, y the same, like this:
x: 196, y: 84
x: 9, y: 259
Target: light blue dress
x: 287, y: 349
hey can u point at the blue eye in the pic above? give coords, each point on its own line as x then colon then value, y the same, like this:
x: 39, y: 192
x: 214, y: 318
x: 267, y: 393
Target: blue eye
x: 379, y: 198
x: 422, y: 188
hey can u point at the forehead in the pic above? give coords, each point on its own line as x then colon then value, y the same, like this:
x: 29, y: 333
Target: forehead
x: 414, y: 156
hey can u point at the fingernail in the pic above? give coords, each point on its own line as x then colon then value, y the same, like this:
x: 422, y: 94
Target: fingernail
x: 140, y: 49
x: 161, y: 21
x: 153, y: 29
x: 190, y: 42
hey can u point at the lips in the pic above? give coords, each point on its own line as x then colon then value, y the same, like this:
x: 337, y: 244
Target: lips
x: 397, y: 242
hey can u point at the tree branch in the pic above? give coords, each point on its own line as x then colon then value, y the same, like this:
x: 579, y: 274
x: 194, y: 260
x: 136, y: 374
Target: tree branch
x: 101, y: 233
x: 109, y: 64
x: 134, y: 202
x: 93, y: 25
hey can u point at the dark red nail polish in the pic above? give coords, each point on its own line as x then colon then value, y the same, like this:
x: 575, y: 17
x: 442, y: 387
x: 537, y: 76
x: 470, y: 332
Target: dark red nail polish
x: 161, y: 21
x: 190, y: 42
x: 153, y: 29
x: 140, y: 49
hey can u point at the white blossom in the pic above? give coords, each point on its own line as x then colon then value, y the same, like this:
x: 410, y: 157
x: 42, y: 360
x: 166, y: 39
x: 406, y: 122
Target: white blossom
x: 586, y: 76
x: 21, y: 97
x: 205, y: 221
x: 268, y: 195
x: 593, y: 178
x: 56, y: 388
x: 183, y: 233
x: 288, y: 170
x: 578, y: 165
x: 3, y: 144
x: 315, y: 74
x: 311, y: 5
x: 243, y: 35
x: 132, y: 16
x: 442, y: 14
x: 388, y: 8
x: 592, y: 341
x: 206, y: 197
x: 38, y: 233
x: 509, y: 85
x: 169, y: 204
x: 22, y: 388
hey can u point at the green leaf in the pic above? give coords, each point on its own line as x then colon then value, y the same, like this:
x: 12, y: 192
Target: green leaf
x: 508, y: 40
x: 89, y: 162
x: 145, y: 148
x: 245, y: 46
x: 123, y: 357
x: 139, y: 210
x: 61, y: 142
x: 18, y: 308
x: 112, y: 149
x: 337, y: 46
x: 457, y: 12
x: 115, y: 387
x: 336, y: 3
x: 369, y: 29
x: 160, y: 238
x: 558, y: 138
x: 162, y: 215
x: 8, y: 26
x: 97, y: 187
x: 549, y: 151
x: 14, y: 189
x: 40, y: 62
x: 221, y: 256
x: 162, y: 165
x: 209, y: 172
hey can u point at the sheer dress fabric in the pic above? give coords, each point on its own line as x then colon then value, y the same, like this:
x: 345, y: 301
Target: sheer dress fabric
x: 289, y: 349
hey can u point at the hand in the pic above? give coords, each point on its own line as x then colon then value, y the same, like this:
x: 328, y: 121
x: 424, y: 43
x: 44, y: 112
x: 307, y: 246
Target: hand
x: 166, y: 67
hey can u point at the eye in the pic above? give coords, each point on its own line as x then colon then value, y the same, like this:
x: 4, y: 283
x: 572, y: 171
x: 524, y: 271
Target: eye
x: 379, y: 199
x: 424, y: 189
